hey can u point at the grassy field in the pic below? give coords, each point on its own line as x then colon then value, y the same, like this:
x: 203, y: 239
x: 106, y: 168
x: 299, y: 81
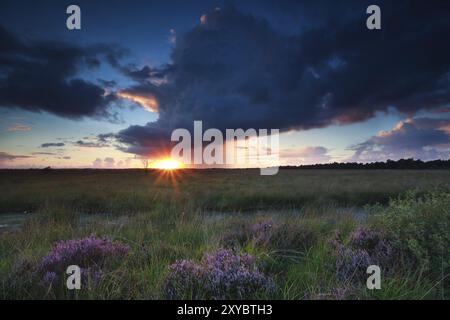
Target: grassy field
x: 310, y: 233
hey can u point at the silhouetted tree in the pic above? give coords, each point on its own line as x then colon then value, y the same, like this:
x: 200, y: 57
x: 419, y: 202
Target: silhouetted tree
x: 145, y: 164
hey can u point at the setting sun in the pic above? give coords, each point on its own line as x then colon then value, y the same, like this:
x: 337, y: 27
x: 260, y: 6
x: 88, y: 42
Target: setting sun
x: 168, y: 164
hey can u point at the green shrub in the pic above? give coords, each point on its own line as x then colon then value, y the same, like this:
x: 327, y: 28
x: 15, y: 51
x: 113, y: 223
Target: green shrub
x: 420, y: 228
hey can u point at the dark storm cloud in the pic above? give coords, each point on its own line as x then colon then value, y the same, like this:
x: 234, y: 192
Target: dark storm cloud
x: 419, y: 138
x: 52, y: 144
x: 234, y: 70
x: 42, y: 76
x: 144, y: 140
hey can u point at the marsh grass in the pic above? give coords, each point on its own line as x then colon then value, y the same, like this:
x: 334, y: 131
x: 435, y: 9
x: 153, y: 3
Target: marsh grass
x: 163, y: 222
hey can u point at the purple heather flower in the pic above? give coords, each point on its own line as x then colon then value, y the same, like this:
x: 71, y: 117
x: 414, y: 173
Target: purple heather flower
x: 90, y: 254
x: 220, y: 275
x: 365, y: 247
x: 49, y: 278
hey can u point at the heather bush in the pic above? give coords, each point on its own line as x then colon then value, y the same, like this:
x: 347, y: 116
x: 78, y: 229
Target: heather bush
x: 222, y: 274
x: 375, y: 243
x: 420, y: 228
x: 364, y: 247
x: 91, y: 254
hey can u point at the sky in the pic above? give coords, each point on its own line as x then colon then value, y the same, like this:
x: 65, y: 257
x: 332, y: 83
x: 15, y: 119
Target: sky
x: 111, y: 94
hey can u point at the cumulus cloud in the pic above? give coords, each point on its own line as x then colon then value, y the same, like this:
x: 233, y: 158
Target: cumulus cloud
x: 107, y: 163
x: 234, y: 70
x: 418, y: 138
x: 42, y: 76
x: 97, y: 163
x: 306, y: 155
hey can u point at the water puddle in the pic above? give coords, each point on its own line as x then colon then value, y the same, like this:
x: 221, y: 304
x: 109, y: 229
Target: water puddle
x: 12, y: 221
x: 105, y: 219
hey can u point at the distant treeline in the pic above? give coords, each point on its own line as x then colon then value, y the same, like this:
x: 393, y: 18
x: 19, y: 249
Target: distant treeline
x: 389, y: 164
x: 404, y: 164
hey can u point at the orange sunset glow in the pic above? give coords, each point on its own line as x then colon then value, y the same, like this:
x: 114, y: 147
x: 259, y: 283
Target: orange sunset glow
x: 147, y: 101
x: 168, y: 164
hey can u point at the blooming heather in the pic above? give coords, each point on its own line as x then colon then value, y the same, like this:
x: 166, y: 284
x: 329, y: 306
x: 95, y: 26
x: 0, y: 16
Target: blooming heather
x: 365, y: 247
x: 91, y: 254
x: 351, y: 264
x: 220, y: 275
